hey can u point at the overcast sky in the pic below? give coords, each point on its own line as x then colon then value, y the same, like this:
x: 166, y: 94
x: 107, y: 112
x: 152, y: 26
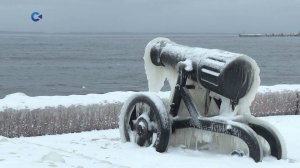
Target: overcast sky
x: 190, y: 16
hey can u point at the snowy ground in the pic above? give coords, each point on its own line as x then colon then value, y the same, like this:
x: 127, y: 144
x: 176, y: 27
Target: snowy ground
x: 104, y: 149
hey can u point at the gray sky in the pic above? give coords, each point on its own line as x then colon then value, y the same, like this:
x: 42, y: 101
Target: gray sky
x: 200, y: 16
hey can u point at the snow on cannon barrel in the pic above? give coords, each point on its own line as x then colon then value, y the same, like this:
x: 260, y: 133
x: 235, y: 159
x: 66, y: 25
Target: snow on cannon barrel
x: 211, y: 94
x: 228, y: 75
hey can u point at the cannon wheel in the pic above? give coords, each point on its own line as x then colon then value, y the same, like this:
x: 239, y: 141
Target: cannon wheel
x: 145, y: 121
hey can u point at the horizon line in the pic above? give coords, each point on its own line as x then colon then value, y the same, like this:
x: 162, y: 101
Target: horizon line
x: 84, y: 32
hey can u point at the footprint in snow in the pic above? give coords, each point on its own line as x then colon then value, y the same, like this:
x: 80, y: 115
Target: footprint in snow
x: 53, y: 157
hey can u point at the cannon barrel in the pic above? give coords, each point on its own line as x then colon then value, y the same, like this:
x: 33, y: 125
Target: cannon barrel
x: 228, y: 74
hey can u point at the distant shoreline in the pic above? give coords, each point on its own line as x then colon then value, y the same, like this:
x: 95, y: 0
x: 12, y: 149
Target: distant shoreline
x: 270, y: 35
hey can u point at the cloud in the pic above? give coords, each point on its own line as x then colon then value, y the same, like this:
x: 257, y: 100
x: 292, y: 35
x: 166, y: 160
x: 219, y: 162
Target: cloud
x: 151, y: 15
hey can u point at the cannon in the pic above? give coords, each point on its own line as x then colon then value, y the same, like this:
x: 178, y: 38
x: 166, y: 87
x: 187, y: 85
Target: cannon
x: 210, y: 98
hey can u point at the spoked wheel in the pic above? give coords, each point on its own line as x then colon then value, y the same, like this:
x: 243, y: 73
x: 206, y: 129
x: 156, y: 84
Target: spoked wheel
x: 145, y: 121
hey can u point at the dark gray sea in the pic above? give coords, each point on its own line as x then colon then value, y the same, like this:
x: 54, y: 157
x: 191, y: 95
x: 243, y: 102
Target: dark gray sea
x: 63, y: 64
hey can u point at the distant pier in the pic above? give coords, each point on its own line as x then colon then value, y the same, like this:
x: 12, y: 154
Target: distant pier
x: 270, y: 35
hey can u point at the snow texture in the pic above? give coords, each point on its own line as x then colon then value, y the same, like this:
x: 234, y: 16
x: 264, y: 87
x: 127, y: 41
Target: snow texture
x: 156, y: 75
x: 104, y: 149
x: 19, y: 101
x: 208, y: 141
x: 188, y: 64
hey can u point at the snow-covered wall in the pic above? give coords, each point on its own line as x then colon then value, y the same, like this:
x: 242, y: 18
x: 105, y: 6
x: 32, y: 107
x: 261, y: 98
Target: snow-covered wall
x: 276, y: 100
x: 21, y: 115
x: 58, y: 120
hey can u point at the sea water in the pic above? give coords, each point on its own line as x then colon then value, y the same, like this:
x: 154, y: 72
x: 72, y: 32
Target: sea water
x: 62, y: 64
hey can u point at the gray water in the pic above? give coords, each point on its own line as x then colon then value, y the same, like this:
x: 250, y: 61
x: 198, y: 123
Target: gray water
x: 64, y: 64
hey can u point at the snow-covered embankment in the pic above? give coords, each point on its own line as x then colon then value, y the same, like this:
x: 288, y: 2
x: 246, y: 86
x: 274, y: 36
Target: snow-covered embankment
x: 21, y: 115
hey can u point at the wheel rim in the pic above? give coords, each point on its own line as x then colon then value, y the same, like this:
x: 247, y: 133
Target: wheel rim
x: 142, y: 124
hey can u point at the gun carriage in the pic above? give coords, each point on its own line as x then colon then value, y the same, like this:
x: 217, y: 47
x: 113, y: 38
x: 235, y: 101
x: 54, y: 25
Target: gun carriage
x: 212, y: 92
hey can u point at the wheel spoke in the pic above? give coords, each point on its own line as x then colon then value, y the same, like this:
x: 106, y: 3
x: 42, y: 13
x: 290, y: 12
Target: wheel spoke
x: 154, y: 127
x: 133, y: 118
x: 140, y: 140
x: 151, y: 115
x: 141, y: 108
x: 150, y: 138
x: 137, y: 113
x: 149, y: 141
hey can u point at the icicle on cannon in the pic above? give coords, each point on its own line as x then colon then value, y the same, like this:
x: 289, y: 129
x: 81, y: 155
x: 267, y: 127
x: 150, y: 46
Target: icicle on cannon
x: 211, y: 90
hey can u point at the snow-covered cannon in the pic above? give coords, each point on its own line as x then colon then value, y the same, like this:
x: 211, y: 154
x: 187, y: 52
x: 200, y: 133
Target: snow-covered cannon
x: 211, y: 94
